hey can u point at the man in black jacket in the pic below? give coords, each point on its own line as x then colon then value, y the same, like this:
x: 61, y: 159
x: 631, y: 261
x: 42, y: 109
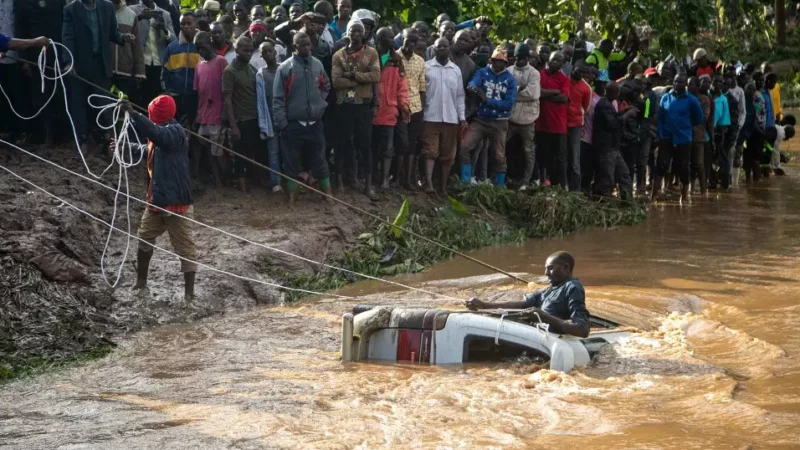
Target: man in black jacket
x: 89, y: 28
x: 606, y: 134
x: 170, y: 189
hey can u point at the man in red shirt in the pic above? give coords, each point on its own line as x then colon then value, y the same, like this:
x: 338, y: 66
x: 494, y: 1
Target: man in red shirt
x: 552, y: 124
x: 580, y: 96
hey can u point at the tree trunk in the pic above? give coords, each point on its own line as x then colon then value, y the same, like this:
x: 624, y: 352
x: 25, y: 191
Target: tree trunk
x: 780, y: 21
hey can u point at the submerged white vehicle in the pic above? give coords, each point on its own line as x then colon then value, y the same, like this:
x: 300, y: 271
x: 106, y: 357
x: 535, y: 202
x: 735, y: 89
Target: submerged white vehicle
x: 432, y: 336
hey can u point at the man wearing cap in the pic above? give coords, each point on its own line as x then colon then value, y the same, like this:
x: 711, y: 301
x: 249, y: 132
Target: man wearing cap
x: 170, y: 189
x: 496, y: 89
x: 702, y: 65
x: 526, y: 108
x: 356, y: 70
x: 212, y: 9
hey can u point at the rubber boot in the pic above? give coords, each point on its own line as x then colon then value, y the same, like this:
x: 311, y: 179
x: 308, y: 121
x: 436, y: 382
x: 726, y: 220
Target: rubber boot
x: 142, y: 267
x: 188, y: 286
x: 339, y: 183
x: 387, y: 166
x: 325, y: 186
x: 409, y: 175
x: 500, y: 179
x: 292, y: 188
x: 466, y: 172
x: 684, y: 193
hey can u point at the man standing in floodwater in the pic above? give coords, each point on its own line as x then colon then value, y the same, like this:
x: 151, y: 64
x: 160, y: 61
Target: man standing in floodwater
x: 562, y: 305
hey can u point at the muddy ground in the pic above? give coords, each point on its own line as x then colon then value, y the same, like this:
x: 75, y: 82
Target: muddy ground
x: 69, y: 307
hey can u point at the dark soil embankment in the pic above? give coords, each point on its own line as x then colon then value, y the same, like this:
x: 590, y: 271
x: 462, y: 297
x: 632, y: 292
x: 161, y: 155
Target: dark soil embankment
x: 57, y: 307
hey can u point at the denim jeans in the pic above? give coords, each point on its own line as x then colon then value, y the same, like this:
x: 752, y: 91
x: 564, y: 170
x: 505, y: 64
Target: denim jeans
x: 574, y: 158
x: 274, y: 159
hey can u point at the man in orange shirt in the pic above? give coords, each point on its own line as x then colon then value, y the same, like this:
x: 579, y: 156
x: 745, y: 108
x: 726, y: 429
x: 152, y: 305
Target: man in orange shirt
x: 580, y: 96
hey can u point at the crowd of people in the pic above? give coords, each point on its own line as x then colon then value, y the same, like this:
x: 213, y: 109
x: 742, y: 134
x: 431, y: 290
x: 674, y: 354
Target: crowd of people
x: 333, y: 98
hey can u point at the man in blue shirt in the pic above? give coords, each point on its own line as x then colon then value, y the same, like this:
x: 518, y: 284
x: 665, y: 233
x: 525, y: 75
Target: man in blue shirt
x: 679, y: 111
x: 562, y: 305
x: 496, y: 90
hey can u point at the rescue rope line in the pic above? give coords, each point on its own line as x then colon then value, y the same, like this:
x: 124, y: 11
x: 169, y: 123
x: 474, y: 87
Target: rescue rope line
x: 243, y: 239
x: 286, y: 177
x: 131, y: 236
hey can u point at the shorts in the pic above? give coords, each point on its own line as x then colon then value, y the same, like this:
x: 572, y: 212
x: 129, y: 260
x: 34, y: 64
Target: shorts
x: 215, y: 133
x: 439, y: 140
x: 155, y: 223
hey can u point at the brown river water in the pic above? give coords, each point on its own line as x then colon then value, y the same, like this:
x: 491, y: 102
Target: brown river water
x: 714, y: 283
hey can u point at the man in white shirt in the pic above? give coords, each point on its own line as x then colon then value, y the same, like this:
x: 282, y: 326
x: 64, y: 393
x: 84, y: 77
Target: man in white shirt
x: 444, y: 114
x: 526, y: 108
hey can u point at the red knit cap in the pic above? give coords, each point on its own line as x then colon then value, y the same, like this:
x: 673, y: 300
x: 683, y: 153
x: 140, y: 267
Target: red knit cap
x: 162, y: 109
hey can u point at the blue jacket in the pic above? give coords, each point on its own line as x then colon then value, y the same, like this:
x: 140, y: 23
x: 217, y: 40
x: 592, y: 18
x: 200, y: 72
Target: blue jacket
x: 76, y: 35
x: 677, y: 116
x: 500, y: 88
x: 170, y: 179
x: 179, y: 62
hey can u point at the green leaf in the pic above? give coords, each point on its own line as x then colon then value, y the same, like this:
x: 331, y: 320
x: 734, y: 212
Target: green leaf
x: 457, y: 206
x: 400, y: 220
x: 364, y: 236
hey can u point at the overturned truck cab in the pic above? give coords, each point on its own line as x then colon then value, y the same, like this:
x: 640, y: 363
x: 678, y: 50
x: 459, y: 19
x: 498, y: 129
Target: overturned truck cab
x: 433, y: 336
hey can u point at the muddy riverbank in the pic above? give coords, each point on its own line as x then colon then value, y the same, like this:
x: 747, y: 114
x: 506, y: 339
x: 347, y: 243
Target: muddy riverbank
x: 59, y: 307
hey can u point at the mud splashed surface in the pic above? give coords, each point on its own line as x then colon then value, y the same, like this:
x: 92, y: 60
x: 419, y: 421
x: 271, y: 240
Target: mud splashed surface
x: 712, y: 285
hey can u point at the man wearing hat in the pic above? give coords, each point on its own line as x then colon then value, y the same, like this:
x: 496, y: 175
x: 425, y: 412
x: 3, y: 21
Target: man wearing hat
x: 526, y: 108
x: 170, y: 189
x: 496, y: 90
x: 212, y: 10
x: 702, y: 65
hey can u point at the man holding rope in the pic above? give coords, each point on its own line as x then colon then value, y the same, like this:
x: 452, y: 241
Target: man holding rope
x: 170, y: 188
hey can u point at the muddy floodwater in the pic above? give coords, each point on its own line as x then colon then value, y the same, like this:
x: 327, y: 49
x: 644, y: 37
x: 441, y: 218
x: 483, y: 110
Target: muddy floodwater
x: 714, y: 283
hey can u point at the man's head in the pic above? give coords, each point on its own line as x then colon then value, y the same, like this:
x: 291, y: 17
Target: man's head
x: 634, y: 68
x: 693, y: 85
x: 344, y: 8
x: 423, y: 29
x: 718, y: 84
x: 410, y: 39
x: 279, y: 14
x: 202, y: 41
x: 555, y: 63
x: 268, y: 53
x: 700, y: 57
x: 368, y: 20
x: 385, y: 40
x: 200, y: 13
x: 355, y: 32
x: 589, y: 72
x: 543, y: 49
x: 240, y: 11
x: 258, y: 12
x: 606, y: 47
x: 499, y: 60
x: 577, y: 73
x: 788, y: 132
x: 705, y: 84
x: 483, y: 29
x: 295, y: 11
x: 612, y: 90
x: 750, y: 91
x: 679, y: 84
x: 522, y: 54
x: 766, y: 67
x: 217, y: 35
x: 462, y: 43
x: 188, y: 25
x: 729, y: 81
x: 258, y: 32
x: 568, y: 51
x: 302, y: 44
x: 558, y: 267
x: 442, y: 49
x: 227, y: 26
x: 770, y: 80
x: 447, y: 30
x: 162, y: 109
x: 244, y: 49
x: 228, y: 8
x: 789, y: 119
x: 325, y: 8
x: 440, y: 18
x: 211, y: 8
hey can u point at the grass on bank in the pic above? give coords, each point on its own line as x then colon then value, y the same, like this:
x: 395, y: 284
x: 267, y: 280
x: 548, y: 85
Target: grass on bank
x: 43, y: 325
x: 475, y: 217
